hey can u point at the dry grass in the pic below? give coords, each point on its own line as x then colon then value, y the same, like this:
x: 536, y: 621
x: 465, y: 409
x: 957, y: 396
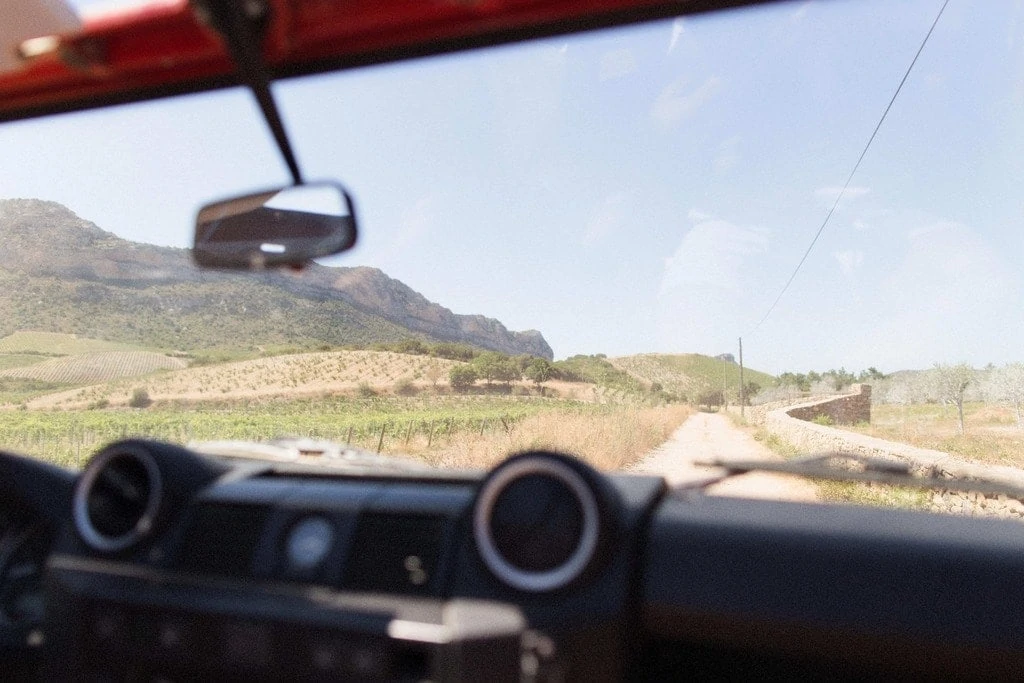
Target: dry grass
x: 991, y: 433
x: 305, y: 374
x: 609, y: 440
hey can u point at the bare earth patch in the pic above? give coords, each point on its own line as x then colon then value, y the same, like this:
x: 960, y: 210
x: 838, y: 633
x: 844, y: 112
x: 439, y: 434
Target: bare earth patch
x: 706, y: 436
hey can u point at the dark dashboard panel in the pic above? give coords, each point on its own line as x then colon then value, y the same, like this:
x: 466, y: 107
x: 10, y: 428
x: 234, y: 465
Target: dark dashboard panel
x: 387, y: 563
x: 248, y: 571
x: 879, y: 589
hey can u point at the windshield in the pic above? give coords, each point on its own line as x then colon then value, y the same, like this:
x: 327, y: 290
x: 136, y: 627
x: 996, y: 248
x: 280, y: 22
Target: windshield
x: 563, y: 243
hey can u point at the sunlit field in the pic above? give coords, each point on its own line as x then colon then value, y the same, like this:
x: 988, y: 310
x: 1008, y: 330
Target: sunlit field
x: 991, y: 434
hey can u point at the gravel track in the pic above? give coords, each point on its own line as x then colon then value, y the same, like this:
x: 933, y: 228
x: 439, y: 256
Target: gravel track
x: 712, y: 436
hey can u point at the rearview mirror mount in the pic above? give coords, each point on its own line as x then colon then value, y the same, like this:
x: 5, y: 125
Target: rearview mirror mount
x: 282, y: 227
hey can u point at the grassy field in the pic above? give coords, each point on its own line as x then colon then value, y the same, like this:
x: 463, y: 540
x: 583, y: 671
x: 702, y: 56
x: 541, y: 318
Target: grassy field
x: 991, y: 434
x: 689, y: 373
x: 444, y: 431
x: 67, y: 437
x: 608, y: 437
x: 378, y: 400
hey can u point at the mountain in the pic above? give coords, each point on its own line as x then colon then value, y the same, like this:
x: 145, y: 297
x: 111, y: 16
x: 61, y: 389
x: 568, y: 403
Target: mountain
x: 62, y: 273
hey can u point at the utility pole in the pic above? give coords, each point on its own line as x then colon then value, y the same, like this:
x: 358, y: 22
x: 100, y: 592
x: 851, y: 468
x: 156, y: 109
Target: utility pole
x: 743, y: 390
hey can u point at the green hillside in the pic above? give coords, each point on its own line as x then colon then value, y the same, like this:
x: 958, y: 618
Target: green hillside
x: 186, y: 315
x: 60, y: 273
x: 689, y: 374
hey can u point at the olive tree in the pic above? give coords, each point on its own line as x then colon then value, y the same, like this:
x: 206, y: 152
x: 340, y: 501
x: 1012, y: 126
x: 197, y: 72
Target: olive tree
x: 950, y: 383
x: 1008, y: 386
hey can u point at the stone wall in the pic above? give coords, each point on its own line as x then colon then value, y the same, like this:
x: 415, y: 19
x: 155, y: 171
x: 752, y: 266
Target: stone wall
x: 843, y: 410
x: 813, y: 438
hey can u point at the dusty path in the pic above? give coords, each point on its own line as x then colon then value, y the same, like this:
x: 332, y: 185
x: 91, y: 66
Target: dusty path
x: 706, y: 436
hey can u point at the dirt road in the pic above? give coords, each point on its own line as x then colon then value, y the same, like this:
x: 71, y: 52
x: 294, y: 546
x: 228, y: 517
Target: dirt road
x: 706, y: 436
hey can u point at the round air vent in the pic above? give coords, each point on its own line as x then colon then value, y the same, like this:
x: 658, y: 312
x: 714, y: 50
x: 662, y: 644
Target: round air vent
x: 537, y: 522
x: 117, y: 498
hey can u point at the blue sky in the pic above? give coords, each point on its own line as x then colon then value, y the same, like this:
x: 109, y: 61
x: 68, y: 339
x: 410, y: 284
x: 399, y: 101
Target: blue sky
x: 640, y: 189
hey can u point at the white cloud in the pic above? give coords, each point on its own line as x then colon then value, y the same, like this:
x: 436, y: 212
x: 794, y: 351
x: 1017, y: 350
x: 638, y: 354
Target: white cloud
x: 849, y: 260
x: 616, y: 64
x: 705, y: 287
x: 675, y: 102
x: 727, y: 154
x: 951, y: 296
x: 711, y: 255
x: 677, y: 31
x: 608, y: 216
x: 698, y: 216
x: 861, y: 225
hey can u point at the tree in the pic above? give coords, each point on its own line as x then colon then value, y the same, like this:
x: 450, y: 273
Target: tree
x: 461, y: 377
x: 539, y: 371
x: 1008, y: 383
x: 711, y: 397
x: 488, y: 365
x: 507, y: 371
x: 871, y: 374
x: 496, y: 367
x: 433, y: 373
x: 839, y: 379
x: 950, y: 383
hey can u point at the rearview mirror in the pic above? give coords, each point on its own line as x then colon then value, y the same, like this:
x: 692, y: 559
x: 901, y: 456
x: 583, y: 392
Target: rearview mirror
x: 285, y: 227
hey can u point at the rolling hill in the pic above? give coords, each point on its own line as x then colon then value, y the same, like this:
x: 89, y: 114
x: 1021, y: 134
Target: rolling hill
x: 690, y: 373
x: 292, y: 375
x: 61, y: 273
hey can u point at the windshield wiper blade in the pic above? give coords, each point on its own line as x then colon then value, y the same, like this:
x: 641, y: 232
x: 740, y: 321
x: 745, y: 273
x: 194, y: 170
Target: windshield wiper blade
x: 838, y: 466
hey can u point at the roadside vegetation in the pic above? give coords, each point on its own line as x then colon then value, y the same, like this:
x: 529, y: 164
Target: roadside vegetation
x: 991, y: 434
x: 608, y: 437
x: 449, y: 404
x: 857, y: 493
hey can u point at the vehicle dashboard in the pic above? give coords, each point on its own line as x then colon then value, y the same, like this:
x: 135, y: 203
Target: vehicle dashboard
x: 157, y: 562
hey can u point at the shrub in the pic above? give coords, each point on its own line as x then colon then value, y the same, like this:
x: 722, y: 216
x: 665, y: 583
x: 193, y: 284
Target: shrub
x: 405, y: 387
x: 99, y: 404
x: 823, y: 420
x: 140, y: 399
x: 364, y: 390
x: 461, y: 377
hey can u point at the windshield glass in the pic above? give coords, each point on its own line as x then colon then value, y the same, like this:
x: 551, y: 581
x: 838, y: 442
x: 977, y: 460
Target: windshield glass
x: 562, y: 244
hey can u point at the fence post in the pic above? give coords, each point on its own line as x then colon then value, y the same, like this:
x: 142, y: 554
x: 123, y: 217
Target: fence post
x: 430, y: 436
x: 408, y: 433
x: 380, y: 442
x: 349, y: 439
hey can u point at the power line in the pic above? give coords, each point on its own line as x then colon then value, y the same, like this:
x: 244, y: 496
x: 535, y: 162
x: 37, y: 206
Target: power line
x: 853, y: 172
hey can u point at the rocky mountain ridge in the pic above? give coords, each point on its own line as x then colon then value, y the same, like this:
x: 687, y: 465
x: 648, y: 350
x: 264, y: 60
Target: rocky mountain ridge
x: 82, y: 271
